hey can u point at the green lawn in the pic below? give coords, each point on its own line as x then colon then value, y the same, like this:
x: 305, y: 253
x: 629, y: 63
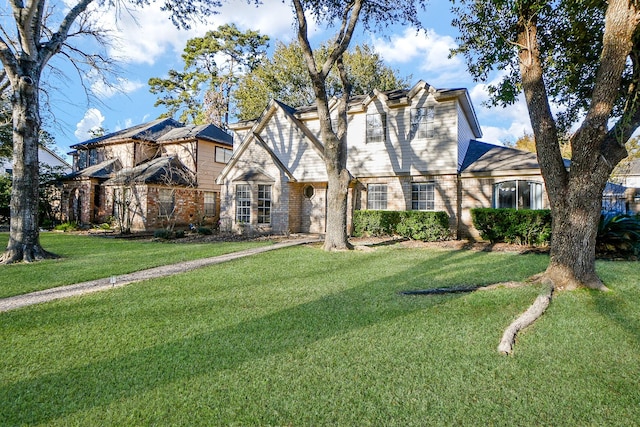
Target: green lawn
x: 303, y: 337
x: 91, y: 257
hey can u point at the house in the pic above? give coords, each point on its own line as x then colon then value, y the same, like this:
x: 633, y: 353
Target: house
x: 152, y: 175
x: 412, y: 149
x: 46, y: 157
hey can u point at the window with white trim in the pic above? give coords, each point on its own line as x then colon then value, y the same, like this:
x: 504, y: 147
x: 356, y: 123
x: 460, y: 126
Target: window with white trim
x: 209, y: 203
x: 376, y: 127
x: 264, y: 204
x: 517, y: 194
x: 377, y: 196
x: 423, y: 196
x: 422, y: 122
x: 223, y: 155
x: 243, y: 203
x: 166, y: 202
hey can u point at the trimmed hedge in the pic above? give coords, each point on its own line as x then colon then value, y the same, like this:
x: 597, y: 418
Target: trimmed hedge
x: 416, y: 225
x: 522, y: 227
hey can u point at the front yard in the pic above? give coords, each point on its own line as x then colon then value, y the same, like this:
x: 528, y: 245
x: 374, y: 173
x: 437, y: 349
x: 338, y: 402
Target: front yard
x: 303, y: 337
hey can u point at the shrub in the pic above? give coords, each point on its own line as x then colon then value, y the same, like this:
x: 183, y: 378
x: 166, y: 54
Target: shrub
x: 375, y: 223
x: 425, y: 226
x: 522, y: 227
x: 179, y: 234
x: 417, y: 225
x: 205, y: 231
x: 618, y: 234
x: 66, y: 226
x: 162, y: 233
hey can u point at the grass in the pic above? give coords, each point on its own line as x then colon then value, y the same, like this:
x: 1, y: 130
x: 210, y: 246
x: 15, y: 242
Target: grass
x: 303, y: 337
x: 90, y: 257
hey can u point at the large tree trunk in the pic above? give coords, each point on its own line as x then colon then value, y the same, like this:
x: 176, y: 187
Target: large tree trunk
x: 24, y: 237
x: 576, y: 194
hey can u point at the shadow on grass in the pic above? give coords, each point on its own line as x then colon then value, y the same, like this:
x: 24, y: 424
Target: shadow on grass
x: 613, y: 306
x: 59, y: 394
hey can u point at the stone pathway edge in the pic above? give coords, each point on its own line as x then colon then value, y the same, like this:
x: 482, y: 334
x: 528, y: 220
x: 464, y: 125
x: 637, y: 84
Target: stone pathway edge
x: 19, y: 301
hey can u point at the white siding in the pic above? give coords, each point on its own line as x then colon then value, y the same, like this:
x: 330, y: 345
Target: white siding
x: 465, y: 135
x: 399, y: 154
x: 294, y: 149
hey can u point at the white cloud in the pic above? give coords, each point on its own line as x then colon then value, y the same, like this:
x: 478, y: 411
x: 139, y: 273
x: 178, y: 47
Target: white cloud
x: 92, y: 119
x: 426, y: 51
x: 122, y: 86
x: 142, y: 35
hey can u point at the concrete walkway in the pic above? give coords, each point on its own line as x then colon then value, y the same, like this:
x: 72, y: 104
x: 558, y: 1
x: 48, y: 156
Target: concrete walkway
x: 46, y: 295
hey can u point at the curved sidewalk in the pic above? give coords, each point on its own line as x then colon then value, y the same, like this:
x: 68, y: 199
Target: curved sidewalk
x: 46, y: 295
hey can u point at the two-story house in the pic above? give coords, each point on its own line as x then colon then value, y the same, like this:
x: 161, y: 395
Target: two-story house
x: 148, y: 176
x: 410, y: 149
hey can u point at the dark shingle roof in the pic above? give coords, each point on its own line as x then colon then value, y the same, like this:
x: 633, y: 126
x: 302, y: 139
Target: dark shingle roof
x: 208, y: 132
x: 102, y: 170
x: 484, y: 157
x: 145, y: 132
x: 162, y: 170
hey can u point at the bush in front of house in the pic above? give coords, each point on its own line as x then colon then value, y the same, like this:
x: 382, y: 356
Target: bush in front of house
x: 416, y: 225
x: 66, y: 226
x: 375, y: 223
x: 162, y: 233
x: 521, y: 227
x: 205, y: 231
x: 425, y: 226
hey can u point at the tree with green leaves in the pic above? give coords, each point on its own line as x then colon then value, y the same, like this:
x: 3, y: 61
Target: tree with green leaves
x: 284, y: 77
x: 585, y: 57
x: 32, y: 33
x: 333, y: 133
x: 213, y: 65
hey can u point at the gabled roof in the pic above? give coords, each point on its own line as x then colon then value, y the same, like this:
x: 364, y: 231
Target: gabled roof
x: 209, y: 132
x: 484, y: 157
x: 102, y: 170
x: 161, y: 130
x: 144, y: 132
x: 162, y: 170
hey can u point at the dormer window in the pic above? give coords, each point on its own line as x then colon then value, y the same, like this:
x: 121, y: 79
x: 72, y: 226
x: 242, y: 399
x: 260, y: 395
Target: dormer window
x: 422, y: 122
x: 376, y: 127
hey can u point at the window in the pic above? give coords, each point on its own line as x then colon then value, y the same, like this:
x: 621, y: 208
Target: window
x: 223, y: 154
x: 377, y: 196
x: 309, y: 191
x: 264, y: 204
x: 376, y: 127
x: 93, y: 157
x: 243, y: 203
x: 422, y: 122
x: 209, y: 203
x: 422, y: 196
x: 82, y: 159
x: 517, y: 195
x: 166, y: 202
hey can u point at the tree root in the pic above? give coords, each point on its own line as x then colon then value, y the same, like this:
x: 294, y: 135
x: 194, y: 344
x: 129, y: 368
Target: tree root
x: 28, y: 253
x: 527, y: 318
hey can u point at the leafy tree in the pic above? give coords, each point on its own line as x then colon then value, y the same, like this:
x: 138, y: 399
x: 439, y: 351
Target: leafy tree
x: 563, y: 51
x: 213, y: 65
x: 333, y: 135
x: 527, y: 142
x: 29, y: 38
x: 285, y: 77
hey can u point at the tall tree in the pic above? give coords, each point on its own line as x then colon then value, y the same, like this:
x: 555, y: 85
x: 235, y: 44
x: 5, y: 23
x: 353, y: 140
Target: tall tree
x: 285, y: 77
x: 584, y: 56
x: 213, y: 65
x: 333, y: 135
x: 28, y: 41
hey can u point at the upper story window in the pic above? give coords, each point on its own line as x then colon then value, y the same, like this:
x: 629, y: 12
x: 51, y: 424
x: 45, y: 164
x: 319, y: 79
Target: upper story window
x: 517, y: 195
x: 376, y: 127
x: 422, y: 122
x: 377, y: 196
x: 93, y: 157
x: 223, y: 155
x: 83, y: 159
x: 422, y: 196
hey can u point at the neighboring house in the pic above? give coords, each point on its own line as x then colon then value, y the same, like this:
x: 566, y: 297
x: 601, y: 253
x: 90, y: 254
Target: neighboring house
x: 407, y: 150
x: 630, y: 178
x: 153, y: 175
x: 46, y: 157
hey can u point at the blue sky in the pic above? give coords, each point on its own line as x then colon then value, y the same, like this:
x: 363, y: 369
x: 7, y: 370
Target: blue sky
x: 146, y: 45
